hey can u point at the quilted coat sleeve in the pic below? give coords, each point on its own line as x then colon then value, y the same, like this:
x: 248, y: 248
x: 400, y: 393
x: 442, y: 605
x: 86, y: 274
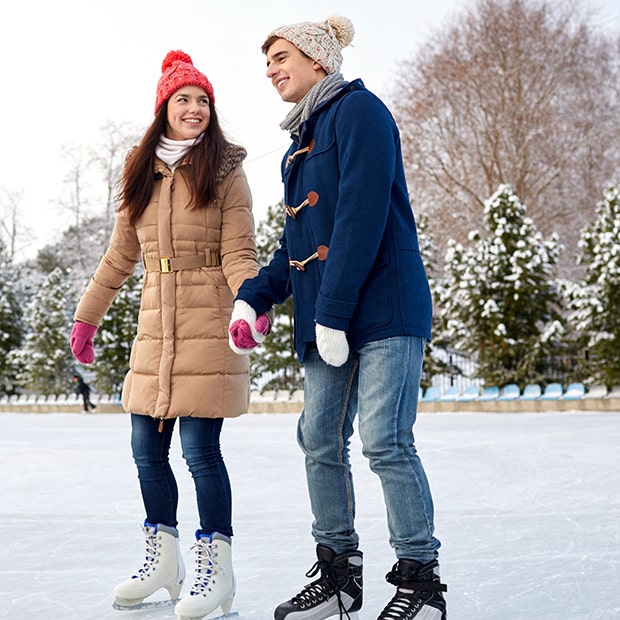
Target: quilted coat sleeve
x: 117, y: 264
x: 238, y: 248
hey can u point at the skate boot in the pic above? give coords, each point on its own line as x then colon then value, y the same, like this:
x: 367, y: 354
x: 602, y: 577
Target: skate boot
x: 163, y: 568
x: 418, y: 592
x: 336, y: 593
x: 214, y: 583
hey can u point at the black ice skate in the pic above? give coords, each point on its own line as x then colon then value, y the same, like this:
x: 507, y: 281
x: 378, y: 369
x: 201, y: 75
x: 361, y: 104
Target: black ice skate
x: 418, y: 592
x: 336, y: 592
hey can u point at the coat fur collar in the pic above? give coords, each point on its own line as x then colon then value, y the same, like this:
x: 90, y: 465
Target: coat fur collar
x: 233, y: 157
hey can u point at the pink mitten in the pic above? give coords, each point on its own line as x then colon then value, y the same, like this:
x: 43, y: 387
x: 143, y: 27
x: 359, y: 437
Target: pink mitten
x: 81, y: 342
x: 262, y: 324
x: 241, y: 332
x: 241, y: 335
x: 246, y: 330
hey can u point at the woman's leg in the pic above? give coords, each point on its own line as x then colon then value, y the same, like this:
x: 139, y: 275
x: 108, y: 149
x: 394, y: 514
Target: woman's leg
x: 151, y: 450
x: 200, y: 440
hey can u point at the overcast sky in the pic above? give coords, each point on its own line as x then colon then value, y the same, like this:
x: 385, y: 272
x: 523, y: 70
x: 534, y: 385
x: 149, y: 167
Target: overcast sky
x: 70, y: 66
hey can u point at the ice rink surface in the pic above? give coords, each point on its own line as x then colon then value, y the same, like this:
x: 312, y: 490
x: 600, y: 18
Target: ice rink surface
x: 527, y: 509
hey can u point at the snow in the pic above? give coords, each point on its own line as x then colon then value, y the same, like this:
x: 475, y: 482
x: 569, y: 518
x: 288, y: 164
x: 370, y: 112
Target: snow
x: 527, y: 508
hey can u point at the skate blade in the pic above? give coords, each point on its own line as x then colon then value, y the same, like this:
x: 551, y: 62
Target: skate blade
x: 146, y: 605
x: 168, y: 603
x: 228, y: 616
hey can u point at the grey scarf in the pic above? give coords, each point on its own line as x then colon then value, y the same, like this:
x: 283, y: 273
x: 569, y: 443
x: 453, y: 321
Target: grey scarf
x: 320, y: 92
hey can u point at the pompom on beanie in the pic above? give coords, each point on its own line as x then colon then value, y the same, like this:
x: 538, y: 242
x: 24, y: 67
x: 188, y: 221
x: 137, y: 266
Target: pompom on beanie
x: 322, y: 41
x: 177, y: 71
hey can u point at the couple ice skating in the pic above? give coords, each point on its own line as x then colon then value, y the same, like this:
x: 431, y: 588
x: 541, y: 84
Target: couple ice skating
x: 348, y: 255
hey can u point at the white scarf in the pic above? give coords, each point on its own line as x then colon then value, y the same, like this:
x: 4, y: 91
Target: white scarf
x: 171, y: 152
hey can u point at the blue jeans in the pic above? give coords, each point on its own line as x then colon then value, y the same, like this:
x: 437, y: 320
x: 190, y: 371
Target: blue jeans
x: 200, y: 442
x: 380, y: 384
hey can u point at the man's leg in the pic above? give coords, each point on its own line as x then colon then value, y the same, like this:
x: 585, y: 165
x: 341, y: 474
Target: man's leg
x: 324, y: 430
x: 389, y: 381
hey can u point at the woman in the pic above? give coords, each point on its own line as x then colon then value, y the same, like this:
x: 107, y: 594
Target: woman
x: 186, y: 214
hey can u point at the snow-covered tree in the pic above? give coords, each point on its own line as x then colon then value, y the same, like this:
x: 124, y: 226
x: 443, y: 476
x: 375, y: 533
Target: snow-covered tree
x: 45, y: 357
x: 433, y: 363
x: 276, y: 357
x: 115, y: 337
x: 499, y: 299
x: 79, y: 262
x: 523, y: 92
x: 11, y: 323
x: 595, y: 302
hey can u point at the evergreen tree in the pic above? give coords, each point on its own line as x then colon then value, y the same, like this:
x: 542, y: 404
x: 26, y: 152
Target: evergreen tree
x: 79, y: 264
x: 115, y: 337
x: 433, y: 363
x: 275, y: 360
x: 11, y: 323
x: 500, y: 300
x: 595, y: 302
x: 45, y: 357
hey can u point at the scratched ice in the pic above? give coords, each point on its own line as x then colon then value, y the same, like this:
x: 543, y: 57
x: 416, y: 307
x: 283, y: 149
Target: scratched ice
x: 527, y: 508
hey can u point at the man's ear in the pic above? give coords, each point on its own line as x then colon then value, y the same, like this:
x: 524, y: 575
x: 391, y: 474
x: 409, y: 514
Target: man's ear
x: 318, y: 67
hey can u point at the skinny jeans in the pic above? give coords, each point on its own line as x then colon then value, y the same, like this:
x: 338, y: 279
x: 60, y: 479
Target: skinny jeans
x: 200, y: 443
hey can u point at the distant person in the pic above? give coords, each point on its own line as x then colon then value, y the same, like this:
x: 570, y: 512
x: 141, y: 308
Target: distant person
x: 186, y: 214
x: 83, y: 389
x: 349, y: 256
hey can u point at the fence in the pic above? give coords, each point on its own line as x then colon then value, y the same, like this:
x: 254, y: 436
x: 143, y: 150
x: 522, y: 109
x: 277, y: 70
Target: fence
x: 461, y: 368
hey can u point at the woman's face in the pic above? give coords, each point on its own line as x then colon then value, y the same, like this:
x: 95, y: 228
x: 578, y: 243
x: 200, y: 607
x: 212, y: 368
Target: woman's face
x: 188, y: 113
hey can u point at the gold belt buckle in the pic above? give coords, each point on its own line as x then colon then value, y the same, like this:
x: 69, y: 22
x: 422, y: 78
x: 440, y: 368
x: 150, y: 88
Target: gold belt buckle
x: 165, y: 265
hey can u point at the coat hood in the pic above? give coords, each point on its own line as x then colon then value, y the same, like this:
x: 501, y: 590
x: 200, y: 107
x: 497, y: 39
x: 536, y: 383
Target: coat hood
x: 233, y: 157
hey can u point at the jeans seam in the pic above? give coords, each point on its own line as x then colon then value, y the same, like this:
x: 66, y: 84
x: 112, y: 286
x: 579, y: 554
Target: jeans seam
x: 172, y: 508
x: 343, y: 416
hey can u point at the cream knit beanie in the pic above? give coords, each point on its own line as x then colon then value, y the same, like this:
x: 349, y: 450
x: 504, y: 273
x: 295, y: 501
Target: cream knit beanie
x: 321, y: 41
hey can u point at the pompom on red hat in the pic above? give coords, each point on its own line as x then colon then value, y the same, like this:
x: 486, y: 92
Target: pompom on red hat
x: 177, y: 71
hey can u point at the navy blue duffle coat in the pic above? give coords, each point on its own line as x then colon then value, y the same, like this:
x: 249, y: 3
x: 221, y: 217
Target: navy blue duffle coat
x: 349, y: 252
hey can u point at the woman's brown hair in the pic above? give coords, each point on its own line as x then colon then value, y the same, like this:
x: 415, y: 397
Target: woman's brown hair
x: 136, y: 185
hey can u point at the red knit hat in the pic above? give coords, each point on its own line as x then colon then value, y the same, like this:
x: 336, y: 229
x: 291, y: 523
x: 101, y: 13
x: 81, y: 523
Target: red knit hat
x: 178, y: 71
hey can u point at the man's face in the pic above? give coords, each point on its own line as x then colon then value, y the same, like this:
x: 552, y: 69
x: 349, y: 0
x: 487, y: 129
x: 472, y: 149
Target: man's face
x: 291, y: 72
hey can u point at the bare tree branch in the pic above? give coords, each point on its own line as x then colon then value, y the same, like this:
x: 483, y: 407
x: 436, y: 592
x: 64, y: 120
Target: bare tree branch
x: 522, y: 92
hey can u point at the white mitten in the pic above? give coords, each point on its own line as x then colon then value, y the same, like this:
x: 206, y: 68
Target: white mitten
x: 242, y: 311
x: 332, y: 345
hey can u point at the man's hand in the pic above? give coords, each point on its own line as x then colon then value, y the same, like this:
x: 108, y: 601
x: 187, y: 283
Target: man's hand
x: 246, y: 331
x: 332, y: 345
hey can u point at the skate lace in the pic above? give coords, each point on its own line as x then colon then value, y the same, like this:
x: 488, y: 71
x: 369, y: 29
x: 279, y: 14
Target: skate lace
x: 152, y: 553
x: 320, y: 590
x: 402, y: 607
x: 206, y: 565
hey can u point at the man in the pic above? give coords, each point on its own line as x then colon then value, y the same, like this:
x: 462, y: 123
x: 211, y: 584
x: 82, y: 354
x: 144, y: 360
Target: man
x: 83, y: 389
x: 349, y: 255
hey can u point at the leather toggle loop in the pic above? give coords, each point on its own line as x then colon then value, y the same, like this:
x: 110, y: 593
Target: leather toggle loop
x: 321, y: 254
x: 310, y: 201
x: 306, y: 149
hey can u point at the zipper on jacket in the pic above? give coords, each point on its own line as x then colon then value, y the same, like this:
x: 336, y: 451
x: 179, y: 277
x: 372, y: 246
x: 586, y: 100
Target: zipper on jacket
x: 160, y: 428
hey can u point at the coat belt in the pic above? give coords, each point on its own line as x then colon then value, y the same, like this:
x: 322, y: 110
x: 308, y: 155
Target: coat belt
x: 211, y: 258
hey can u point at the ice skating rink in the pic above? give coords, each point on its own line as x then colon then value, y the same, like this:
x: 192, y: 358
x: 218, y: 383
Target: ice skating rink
x: 527, y: 509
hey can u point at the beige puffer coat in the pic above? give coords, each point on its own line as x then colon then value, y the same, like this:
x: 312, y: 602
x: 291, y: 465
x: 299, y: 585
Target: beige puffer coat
x: 181, y: 363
